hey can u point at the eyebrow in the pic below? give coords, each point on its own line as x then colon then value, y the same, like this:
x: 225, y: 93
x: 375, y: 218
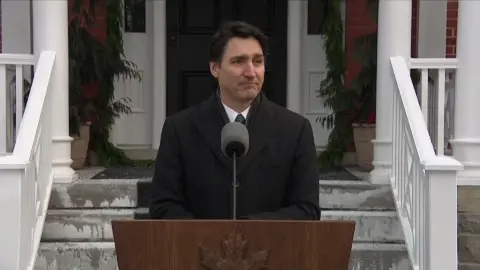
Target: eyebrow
x: 244, y: 56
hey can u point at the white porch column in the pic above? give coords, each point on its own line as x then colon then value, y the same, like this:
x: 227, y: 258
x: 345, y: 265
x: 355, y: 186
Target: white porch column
x: 159, y: 10
x: 50, y: 32
x: 466, y: 142
x: 394, y: 39
x: 296, y: 14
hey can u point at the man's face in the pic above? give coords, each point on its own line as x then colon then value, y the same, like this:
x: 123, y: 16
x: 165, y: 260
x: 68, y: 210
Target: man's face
x: 241, y: 72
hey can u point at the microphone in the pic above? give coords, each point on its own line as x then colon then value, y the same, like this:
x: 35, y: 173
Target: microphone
x: 234, y: 141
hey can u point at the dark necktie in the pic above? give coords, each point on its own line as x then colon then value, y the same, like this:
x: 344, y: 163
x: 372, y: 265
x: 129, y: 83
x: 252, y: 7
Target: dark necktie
x: 240, y: 119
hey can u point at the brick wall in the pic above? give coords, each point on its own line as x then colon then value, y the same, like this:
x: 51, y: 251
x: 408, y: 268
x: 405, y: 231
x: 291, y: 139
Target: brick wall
x: 358, y: 22
x: 451, y: 42
x: 99, y: 28
x: 415, y: 4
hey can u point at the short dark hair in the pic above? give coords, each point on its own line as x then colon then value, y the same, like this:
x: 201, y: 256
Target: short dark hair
x: 234, y: 29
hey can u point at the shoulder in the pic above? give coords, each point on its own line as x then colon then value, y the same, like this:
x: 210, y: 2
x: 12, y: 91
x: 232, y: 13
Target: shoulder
x: 186, y: 116
x: 287, y: 117
x: 180, y: 117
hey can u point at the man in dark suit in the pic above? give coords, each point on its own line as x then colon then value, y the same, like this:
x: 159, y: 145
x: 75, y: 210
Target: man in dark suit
x: 277, y: 179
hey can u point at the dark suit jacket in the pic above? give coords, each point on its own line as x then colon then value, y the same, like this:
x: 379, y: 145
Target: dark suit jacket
x: 278, y: 178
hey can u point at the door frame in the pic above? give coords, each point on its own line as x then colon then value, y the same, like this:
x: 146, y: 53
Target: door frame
x: 295, y: 30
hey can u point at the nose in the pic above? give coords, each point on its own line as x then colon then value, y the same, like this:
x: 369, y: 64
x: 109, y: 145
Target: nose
x: 249, y: 70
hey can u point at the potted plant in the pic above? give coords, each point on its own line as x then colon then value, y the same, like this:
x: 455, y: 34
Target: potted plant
x: 363, y: 134
x: 82, y: 113
x: 364, y: 102
x: 96, y: 62
x: 79, y: 146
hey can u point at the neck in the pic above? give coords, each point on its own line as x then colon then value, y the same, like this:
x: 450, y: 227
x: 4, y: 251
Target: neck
x: 237, y: 106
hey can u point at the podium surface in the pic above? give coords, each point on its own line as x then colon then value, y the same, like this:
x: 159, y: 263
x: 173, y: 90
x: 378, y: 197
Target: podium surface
x: 232, y: 245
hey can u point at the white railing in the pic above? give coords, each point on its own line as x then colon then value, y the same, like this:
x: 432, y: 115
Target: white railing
x: 26, y: 175
x: 437, y: 96
x: 423, y: 184
x: 13, y: 88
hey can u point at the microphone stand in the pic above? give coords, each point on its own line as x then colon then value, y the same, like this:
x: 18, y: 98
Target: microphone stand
x: 234, y: 183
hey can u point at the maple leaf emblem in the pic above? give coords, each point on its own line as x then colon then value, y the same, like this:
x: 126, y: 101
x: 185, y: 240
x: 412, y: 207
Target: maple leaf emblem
x: 233, y: 255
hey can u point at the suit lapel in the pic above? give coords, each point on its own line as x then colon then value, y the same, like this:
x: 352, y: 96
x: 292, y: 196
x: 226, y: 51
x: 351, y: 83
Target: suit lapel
x: 209, y: 122
x: 261, y: 128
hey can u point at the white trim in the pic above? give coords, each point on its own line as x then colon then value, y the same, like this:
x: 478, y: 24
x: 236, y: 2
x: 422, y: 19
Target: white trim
x: 51, y: 33
x: 17, y: 59
x: 433, y: 63
x: 159, y: 70
x: 394, y: 38
x: 295, y: 30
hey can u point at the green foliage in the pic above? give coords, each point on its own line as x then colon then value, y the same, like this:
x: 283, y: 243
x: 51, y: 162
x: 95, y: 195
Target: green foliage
x: 358, y: 102
x: 332, y: 89
x: 348, y: 105
x: 365, y: 84
x: 94, y: 62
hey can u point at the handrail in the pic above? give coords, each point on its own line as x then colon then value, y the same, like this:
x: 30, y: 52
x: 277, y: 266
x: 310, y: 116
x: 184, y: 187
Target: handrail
x: 437, y: 95
x: 33, y: 113
x: 423, y: 184
x: 16, y: 59
x: 412, y: 109
x: 27, y: 175
x: 431, y: 63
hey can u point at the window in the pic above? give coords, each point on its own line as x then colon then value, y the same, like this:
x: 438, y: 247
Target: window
x: 135, y: 16
x: 316, y: 16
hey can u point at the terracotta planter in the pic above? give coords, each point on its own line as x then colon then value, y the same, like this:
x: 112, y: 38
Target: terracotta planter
x: 363, y: 134
x: 80, y: 147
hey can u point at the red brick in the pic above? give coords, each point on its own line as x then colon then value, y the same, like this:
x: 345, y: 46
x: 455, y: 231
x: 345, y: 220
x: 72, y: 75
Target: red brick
x: 451, y: 31
x: 451, y: 14
x: 452, y: 4
x: 414, y: 46
x: 451, y: 22
x: 359, y: 22
x: 99, y: 27
x: 451, y: 42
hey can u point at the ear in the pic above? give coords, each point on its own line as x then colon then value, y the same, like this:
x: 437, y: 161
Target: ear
x: 214, y: 67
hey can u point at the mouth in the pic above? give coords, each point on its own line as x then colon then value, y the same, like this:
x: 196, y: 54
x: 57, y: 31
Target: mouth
x: 248, y: 84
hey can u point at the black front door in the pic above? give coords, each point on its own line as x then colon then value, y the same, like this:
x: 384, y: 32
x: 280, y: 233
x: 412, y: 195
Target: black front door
x: 190, y: 25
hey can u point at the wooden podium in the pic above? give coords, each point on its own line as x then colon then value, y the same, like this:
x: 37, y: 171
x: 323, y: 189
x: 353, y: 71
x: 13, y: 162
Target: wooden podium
x: 232, y: 245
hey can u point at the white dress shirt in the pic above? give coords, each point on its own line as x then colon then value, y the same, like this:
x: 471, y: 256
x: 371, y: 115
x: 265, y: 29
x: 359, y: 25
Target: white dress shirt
x: 233, y: 114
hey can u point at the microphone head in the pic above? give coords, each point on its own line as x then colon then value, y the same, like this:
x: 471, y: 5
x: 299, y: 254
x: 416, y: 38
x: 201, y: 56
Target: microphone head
x: 234, y: 139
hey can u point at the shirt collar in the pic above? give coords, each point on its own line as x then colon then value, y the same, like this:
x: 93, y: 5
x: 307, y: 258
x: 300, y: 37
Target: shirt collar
x: 233, y: 114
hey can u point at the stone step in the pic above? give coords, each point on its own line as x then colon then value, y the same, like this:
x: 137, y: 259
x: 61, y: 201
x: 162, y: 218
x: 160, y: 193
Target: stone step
x: 355, y: 195
x: 371, y: 226
x: 95, y: 224
x: 101, y: 255
x: 347, y: 195
x: 82, y: 224
x: 92, y: 193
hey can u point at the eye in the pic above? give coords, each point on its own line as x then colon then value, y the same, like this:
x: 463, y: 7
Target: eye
x: 258, y: 61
